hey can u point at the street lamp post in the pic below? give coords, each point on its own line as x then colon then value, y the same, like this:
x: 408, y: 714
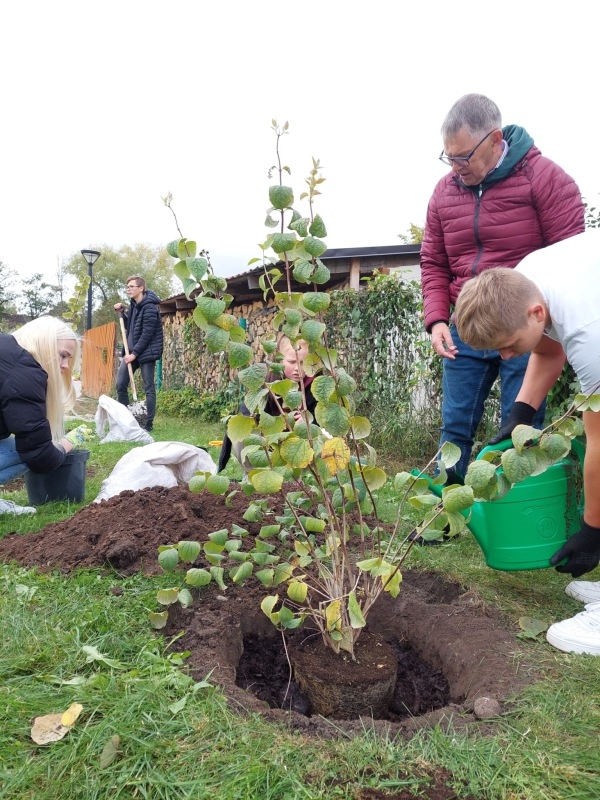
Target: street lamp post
x: 91, y: 257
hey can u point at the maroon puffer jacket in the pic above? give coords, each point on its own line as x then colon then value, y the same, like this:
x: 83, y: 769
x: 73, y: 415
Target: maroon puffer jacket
x: 535, y: 205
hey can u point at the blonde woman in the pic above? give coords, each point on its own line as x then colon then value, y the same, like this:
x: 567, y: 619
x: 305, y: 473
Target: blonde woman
x: 36, y: 390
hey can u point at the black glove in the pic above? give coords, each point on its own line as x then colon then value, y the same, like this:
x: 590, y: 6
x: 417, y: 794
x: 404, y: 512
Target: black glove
x: 583, y: 551
x: 520, y: 414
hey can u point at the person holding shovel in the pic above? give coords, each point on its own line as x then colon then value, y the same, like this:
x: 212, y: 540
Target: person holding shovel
x: 36, y: 390
x: 143, y: 345
x: 549, y: 305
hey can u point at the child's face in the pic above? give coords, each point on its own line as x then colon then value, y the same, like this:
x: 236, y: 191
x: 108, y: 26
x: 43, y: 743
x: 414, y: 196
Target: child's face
x: 293, y: 359
x: 523, y: 340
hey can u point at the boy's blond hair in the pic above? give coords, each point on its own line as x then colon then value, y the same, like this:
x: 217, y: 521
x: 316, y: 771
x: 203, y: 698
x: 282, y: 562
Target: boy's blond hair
x: 39, y: 337
x: 493, y: 306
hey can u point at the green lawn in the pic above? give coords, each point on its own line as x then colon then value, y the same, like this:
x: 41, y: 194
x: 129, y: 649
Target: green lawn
x: 67, y: 639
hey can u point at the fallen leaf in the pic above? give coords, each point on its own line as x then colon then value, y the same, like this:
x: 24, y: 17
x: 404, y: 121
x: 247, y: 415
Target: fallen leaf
x: 52, y: 727
x: 109, y: 752
x: 532, y: 627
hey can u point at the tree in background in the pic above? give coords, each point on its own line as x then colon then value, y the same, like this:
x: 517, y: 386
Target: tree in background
x: 414, y: 235
x: 37, y: 297
x: 7, y: 293
x: 113, y: 268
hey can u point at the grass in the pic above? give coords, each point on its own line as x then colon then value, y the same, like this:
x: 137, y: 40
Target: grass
x: 179, y: 740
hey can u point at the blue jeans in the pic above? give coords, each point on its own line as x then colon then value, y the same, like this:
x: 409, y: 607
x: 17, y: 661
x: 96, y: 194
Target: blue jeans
x: 11, y: 466
x: 147, y: 370
x: 466, y: 384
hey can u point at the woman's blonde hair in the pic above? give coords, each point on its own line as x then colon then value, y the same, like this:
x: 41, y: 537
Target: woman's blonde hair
x: 39, y: 337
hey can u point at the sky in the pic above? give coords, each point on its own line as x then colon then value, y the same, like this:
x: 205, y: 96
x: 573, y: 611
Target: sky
x: 109, y: 106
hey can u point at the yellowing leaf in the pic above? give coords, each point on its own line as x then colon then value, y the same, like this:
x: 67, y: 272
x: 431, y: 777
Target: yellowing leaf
x: 71, y: 714
x: 333, y: 615
x: 336, y: 455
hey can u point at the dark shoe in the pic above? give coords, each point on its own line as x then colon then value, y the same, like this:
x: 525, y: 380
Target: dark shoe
x: 148, y: 427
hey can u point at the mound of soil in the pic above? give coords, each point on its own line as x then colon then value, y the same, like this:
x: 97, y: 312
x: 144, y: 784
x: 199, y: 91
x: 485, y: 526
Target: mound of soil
x: 452, y: 648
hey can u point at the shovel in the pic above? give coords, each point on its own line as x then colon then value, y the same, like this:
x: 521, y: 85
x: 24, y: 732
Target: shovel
x: 138, y: 409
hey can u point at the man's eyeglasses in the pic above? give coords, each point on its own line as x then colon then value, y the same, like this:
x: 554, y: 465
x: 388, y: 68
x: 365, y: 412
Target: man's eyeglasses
x: 463, y: 160
x: 132, y: 286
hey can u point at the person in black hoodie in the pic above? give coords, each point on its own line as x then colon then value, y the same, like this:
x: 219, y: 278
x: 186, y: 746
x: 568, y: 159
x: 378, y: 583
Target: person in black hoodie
x: 36, y: 390
x: 143, y: 326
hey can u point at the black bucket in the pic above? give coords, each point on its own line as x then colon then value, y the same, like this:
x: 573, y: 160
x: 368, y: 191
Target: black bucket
x: 65, y: 483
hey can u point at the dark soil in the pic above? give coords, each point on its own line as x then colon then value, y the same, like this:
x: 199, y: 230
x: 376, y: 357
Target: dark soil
x: 451, y: 647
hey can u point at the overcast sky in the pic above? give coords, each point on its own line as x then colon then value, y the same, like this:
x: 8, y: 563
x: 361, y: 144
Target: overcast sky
x: 108, y: 106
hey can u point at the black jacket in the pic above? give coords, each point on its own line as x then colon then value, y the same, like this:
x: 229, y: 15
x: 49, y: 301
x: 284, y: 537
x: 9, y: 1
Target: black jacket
x: 144, y: 328
x: 23, y: 385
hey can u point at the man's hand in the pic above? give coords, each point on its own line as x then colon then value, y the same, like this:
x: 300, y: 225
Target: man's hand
x: 582, y: 551
x: 520, y: 414
x: 441, y: 340
x: 80, y: 435
x: 119, y: 307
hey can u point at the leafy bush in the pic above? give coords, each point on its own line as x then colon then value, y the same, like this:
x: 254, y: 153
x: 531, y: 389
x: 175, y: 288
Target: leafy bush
x: 207, y: 406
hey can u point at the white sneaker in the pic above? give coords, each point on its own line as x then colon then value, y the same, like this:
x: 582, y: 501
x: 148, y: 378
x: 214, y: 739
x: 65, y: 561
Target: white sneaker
x: 8, y: 507
x: 580, y: 634
x: 584, y: 591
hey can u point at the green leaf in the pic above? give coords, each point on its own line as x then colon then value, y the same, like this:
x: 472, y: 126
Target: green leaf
x: 217, y: 574
x: 216, y: 339
x: 297, y: 591
x: 532, y: 627
x: 240, y: 427
x: 458, y: 498
x: 317, y: 227
x: 518, y: 467
x: 345, y: 383
x: 172, y: 248
x: 357, y: 619
x: 253, y: 377
x: 240, y: 574
x: 239, y: 355
x: 333, y: 418
x: 316, y: 301
x: 219, y: 537
x: 158, y: 619
x: 481, y: 477
x: 524, y: 434
x: 188, y: 551
x: 198, y: 267
x: 198, y: 577
x: 186, y: 249
x: 266, y: 481
x: 361, y: 427
x: 555, y: 446
x: 299, y: 224
x: 283, y: 242
x: 323, y: 387
x: 449, y: 454
x: 321, y: 275
x: 217, y: 484
x: 167, y: 597
x: 312, y: 330
x: 313, y: 246
x: 168, y: 559
x: 374, y: 477
x: 303, y: 270
x: 281, y: 197
x: 185, y: 598
x: 297, y: 452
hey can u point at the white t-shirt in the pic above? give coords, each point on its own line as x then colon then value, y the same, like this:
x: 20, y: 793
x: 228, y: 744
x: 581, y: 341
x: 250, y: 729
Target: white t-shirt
x: 568, y: 275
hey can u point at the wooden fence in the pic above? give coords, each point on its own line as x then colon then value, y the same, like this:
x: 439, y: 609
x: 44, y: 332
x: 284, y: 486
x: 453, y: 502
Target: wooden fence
x: 98, y: 360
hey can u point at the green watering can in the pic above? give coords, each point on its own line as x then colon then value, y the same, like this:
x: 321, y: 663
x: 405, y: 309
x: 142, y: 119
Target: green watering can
x: 532, y: 521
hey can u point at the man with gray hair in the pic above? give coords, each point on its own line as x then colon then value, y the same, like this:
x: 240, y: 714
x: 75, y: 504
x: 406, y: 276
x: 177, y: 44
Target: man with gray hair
x: 501, y: 200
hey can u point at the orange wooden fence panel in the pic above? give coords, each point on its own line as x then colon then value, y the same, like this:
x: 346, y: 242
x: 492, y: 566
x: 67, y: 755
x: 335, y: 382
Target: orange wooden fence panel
x: 98, y: 360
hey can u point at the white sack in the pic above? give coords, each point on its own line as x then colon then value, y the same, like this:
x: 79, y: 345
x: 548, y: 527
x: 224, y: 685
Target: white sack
x: 157, y: 464
x: 122, y: 425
